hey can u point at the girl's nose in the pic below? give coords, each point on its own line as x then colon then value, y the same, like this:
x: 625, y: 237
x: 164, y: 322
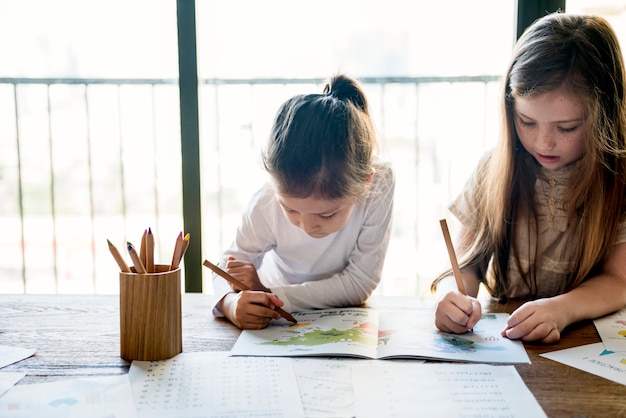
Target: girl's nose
x: 308, y: 224
x: 545, y: 140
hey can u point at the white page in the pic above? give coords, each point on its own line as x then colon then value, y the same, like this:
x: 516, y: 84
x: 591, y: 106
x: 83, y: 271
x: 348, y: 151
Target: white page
x: 212, y: 384
x: 97, y: 397
x: 326, y: 386
x: 441, y: 390
x: 8, y: 380
x: 10, y: 355
x: 594, y: 359
x: 612, y: 330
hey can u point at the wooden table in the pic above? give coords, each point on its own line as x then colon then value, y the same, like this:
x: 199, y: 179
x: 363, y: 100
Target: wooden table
x: 78, y: 336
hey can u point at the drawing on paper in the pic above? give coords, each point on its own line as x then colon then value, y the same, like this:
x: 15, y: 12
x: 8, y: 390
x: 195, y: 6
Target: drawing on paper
x: 303, y: 335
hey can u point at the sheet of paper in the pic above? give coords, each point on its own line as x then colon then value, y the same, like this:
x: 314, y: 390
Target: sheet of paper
x: 441, y: 390
x: 326, y: 386
x: 367, y: 333
x: 594, y: 359
x: 8, y: 380
x: 10, y: 355
x: 98, y: 397
x: 612, y: 330
x: 215, y: 385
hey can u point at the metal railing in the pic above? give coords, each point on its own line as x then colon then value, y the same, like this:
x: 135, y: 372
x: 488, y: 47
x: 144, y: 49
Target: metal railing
x: 86, y: 160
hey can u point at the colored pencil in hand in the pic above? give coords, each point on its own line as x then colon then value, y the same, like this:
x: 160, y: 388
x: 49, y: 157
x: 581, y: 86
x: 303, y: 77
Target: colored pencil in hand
x: 242, y: 286
x: 453, y: 261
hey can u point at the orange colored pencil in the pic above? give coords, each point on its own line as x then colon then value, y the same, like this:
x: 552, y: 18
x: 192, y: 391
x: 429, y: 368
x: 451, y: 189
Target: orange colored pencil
x: 242, y: 286
x: 456, y: 270
x: 118, y: 257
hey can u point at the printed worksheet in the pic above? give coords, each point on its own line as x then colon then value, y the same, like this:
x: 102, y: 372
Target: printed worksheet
x: 398, y: 390
x: 97, y: 397
x: 371, y: 334
x: 594, y: 359
x: 215, y: 385
x: 326, y: 386
x: 612, y: 330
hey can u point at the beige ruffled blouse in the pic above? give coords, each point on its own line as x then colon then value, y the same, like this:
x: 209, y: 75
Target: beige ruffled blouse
x: 554, y: 249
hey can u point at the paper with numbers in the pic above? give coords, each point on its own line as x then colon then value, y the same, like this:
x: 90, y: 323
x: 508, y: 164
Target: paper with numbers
x: 441, y: 390
x: 215, y: 385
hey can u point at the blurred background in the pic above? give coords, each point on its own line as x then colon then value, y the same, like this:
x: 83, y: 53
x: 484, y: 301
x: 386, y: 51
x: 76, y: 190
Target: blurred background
x: 91, y: 113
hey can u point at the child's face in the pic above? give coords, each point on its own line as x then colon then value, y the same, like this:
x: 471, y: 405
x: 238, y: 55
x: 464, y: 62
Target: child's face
x: 317, y: 217
x: 551, y: 127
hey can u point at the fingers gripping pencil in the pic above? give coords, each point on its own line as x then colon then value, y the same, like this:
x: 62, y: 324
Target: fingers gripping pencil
x: 242, y: 286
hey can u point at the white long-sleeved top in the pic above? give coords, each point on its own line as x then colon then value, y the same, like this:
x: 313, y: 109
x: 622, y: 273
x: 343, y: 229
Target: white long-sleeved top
x: 341, y: 269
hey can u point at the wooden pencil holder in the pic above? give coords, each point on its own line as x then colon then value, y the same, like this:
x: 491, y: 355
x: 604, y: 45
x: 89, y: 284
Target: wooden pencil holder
x: 150, y: 315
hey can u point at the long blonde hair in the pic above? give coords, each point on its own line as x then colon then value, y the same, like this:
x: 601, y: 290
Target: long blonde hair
x: 581, y: 54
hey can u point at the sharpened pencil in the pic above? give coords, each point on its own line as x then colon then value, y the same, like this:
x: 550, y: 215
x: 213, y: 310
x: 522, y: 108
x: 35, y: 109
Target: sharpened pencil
x: 118, y: 257
x: 242, y: 286
x: 178, y: 247
x: 142, y: 248
x: 453, y: 261
x: 150, y: 251
x: 139, y: 267
x: 181, y: 249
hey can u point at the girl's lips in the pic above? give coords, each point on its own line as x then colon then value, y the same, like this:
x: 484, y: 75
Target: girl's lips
x: 547, y: 159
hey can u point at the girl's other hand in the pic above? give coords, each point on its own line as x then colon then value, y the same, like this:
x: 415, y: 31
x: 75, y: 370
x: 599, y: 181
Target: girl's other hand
x: 538, y: 320
x: 245, y: 272
x: 251, y: 309
x: 457, y: 313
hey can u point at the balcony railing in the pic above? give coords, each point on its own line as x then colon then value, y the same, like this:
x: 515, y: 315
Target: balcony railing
x: 86, y: 160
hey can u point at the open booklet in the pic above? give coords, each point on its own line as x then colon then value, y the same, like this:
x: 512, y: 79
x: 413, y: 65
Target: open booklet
x: 368, y: 333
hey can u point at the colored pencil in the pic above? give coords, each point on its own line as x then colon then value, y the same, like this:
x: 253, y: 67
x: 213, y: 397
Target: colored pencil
x: 139, y: 267
x: 142, y: 247
x: 183, y: 249
x: 150, y: 251
x: 118, y: 257
x: 242, y: 286
x: 453, y: 261
x: 178, y: 248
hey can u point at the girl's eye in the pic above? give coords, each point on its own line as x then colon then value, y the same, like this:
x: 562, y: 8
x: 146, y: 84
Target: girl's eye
x: 568, y: 130
x: 328, y: 216
x: 526, y: 123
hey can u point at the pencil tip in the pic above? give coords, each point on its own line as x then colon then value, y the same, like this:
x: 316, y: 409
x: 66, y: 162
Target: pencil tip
x: 149, y: 230
x: 109, y: 242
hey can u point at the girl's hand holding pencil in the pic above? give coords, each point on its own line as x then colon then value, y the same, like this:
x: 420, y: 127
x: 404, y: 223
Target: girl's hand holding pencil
x: 456, y: 312
x: 240, y: 285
